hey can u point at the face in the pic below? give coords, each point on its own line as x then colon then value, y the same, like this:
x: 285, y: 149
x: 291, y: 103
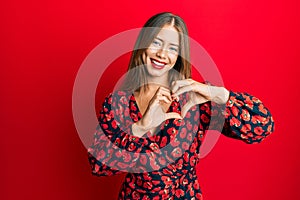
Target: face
x: 162, y: 53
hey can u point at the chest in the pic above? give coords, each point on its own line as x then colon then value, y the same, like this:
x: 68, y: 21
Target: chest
x: 144, y: 102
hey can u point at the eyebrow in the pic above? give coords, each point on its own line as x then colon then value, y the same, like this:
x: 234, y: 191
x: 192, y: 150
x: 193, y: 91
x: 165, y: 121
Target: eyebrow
x: 163, y: 41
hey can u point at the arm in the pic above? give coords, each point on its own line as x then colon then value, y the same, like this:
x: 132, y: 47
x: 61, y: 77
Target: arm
x: 246, y: 118
x: 115, y: 148
x: 112, y: 149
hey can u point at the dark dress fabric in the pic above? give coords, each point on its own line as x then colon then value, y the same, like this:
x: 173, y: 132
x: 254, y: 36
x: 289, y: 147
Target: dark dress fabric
x: 163, y: 165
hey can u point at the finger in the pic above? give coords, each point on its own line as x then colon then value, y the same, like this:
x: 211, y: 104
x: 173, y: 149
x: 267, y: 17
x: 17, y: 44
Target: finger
x: 186, y: 108
x: 180, y: 83
x: 164, y: 92
x: 164, y: 88
x: 163, y: 98
x: 173, y: 115
x: 183, y: 89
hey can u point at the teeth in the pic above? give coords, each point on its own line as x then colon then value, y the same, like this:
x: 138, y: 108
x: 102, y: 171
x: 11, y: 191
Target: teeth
x: 158, y: 63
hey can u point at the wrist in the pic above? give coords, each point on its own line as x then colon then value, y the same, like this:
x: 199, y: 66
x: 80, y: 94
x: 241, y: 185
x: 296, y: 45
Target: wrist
x: 219, y: 95
x: 138, y: 129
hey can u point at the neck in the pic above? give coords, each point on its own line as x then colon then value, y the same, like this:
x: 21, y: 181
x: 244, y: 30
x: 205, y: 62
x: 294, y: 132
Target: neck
x: 153, y: 84
x: 150, y: 89
x: 158, y: 81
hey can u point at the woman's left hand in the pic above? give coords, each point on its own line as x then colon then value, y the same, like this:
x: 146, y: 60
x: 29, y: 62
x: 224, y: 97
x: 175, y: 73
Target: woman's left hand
x: 199, y: 93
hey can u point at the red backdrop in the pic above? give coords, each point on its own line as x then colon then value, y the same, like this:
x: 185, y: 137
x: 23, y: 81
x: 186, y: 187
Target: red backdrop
x: 43, y: 43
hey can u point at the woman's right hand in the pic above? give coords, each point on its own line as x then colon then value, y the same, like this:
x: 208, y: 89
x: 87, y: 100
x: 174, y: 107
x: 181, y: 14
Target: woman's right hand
x: 155, y: 113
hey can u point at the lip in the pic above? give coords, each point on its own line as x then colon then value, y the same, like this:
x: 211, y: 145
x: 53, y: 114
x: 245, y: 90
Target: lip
x: 156, y: 65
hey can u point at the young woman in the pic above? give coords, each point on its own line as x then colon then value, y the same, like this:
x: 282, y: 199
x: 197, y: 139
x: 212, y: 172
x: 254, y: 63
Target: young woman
x: 153, y: 127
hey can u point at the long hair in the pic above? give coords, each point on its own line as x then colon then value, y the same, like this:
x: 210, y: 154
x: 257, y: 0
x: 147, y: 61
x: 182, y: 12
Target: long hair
x: 136, y: 74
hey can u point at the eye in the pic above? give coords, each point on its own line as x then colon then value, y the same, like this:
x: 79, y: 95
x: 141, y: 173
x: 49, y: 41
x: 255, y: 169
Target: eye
x: 173, y: 49
x: 156, y: 43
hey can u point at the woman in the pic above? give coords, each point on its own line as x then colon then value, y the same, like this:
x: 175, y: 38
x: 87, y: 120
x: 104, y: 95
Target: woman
x: 154, y: 126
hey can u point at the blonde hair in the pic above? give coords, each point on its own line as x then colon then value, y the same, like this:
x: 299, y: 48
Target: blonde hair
x: 137, y: 75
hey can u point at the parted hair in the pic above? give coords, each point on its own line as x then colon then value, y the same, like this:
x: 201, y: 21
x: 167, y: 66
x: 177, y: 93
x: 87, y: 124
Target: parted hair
x: 137, y: 74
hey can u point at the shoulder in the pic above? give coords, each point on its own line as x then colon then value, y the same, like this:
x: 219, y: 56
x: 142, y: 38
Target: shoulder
x: 119, y: 96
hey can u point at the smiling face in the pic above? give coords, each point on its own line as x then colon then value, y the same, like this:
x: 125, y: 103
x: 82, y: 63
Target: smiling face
x: 162, y: 53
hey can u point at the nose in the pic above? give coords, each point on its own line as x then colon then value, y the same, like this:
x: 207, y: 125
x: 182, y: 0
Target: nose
x: 161, y: 53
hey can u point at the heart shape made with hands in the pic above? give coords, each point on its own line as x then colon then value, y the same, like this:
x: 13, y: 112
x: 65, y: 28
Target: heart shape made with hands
x: 198, y: 93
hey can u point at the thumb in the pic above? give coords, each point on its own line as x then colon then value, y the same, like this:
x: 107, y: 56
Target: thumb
x: 172, y: 115
x: 185, y: 109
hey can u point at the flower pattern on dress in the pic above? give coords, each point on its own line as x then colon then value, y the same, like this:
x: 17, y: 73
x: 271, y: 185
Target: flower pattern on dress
x: 173, y: 172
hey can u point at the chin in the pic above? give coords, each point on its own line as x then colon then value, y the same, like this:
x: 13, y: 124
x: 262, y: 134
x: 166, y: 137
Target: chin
x: 154, y: 72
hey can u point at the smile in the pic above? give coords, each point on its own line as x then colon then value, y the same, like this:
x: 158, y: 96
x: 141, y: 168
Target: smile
x: 157, y: 64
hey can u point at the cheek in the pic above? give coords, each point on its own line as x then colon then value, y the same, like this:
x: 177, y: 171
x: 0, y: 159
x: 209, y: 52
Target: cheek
x: 151, y: 51
x: 146, y: 57
x: 173, y: 59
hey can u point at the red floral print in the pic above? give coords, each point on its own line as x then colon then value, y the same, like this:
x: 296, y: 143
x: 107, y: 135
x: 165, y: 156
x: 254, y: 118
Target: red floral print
x: 173, y: 176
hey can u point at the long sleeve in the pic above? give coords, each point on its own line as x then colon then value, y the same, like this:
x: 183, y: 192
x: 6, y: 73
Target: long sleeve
x: 112, y: 149
x: 243, y: 117
x: 97, y: 151
x: 115, y: 149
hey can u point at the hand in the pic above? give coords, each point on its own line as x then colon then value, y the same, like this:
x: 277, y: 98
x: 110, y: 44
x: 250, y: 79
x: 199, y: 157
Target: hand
x: 199, y: 93
x: 155, y: 113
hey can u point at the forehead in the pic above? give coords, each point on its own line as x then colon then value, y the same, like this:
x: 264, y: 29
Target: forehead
x: 169, y: 34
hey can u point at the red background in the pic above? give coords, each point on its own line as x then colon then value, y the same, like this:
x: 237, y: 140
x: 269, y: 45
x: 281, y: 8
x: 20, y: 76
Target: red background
x: 43, y: 43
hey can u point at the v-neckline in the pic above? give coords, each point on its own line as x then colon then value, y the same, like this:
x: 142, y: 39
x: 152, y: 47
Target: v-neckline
x: 138, y: 111
x: 139, y: 114
x: 165, y: 129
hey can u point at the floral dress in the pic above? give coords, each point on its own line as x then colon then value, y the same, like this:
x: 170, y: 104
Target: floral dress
x: 163, y: 165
